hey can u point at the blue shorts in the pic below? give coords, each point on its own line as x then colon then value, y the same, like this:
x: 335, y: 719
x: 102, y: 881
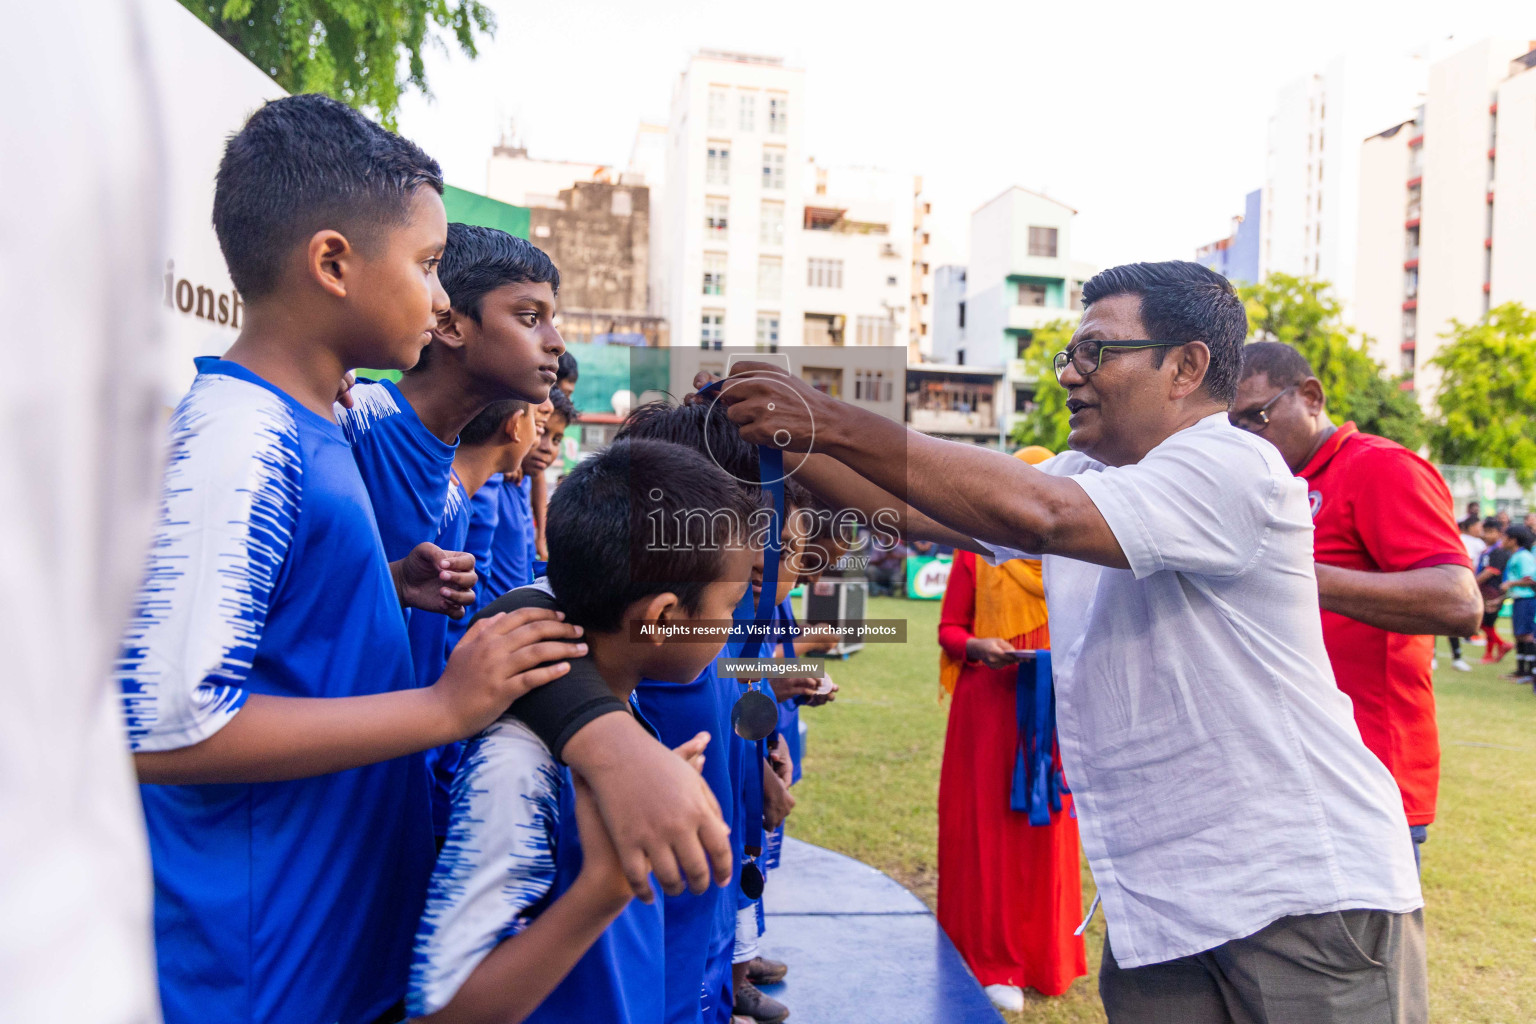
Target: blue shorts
x: 1522, y: 616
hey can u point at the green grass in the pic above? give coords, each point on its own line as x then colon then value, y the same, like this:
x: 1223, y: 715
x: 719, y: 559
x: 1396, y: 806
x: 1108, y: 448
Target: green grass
x: 871, y: 788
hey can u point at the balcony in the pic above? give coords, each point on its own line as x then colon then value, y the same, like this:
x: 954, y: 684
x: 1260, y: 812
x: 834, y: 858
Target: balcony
x: 951, y: 421
x: 1027, y: 318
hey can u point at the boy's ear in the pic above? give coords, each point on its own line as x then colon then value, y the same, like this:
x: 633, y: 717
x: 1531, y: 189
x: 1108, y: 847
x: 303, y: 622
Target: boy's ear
x: 450, y: 329
x: 660, y: 609
x: 515, y: 428
x: 328, y: 261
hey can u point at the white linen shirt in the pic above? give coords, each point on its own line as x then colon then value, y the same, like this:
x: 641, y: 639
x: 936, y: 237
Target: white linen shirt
x: 1219, y: 777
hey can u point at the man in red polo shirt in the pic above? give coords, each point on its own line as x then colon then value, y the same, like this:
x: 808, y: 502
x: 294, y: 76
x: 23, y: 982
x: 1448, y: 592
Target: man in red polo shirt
x: 1392, y: 573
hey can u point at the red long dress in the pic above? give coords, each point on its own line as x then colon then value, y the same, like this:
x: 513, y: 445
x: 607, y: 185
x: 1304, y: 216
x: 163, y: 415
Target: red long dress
x: 1010, y: 894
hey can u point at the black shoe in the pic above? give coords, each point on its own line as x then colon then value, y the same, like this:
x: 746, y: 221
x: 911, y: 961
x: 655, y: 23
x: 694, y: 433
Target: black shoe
x: 763, y: 1009
x: 762, y: 971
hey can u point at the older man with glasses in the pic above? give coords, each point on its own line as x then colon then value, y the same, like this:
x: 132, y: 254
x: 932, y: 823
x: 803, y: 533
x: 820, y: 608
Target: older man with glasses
x: 1392, y: 571
x: 1251, y: 854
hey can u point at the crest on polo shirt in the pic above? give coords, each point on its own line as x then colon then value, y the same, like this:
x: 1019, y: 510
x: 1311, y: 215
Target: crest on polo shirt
x: 1315, y: 500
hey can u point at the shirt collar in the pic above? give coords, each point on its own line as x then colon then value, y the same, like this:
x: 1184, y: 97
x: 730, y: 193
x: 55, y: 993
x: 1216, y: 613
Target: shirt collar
x: 1330, y: 448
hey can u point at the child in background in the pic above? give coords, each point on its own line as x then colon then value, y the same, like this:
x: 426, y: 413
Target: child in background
x: 494, y: 443
x: 266, y: 675
x: 1490, y: 581
x: 568, y: 374
x: 1520, y: 585
x: 529, y: 915
x: 512, y: 543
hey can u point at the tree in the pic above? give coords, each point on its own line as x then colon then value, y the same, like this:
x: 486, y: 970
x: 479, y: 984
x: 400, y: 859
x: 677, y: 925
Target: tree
x: 1302, y: 312
x: 1487, y: 394
x: 349, y: 49
x: 1046, y: 423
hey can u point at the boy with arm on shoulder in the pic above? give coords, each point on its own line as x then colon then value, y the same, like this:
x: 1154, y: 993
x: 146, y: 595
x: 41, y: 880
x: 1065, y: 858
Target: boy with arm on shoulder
x: 266, y: 676
x: 520, y: 924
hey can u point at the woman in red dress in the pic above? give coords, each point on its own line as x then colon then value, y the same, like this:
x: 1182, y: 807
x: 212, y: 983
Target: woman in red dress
x: 1010, y: 893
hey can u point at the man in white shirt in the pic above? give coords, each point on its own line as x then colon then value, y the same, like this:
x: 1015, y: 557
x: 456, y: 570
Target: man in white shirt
x: 1251, y: 853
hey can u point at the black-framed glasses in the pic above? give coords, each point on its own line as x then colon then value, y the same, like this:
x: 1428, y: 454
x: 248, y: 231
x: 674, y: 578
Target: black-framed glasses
x: 1254, y: 422
x: 1086, y: 356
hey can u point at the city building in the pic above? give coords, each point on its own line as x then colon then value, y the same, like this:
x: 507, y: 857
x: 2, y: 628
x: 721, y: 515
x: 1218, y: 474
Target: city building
x: 1447, y: 208
x: 512, y: 176
x: 1308, y: 211
x: 1020, y: 276
x: 1236, y: 257
x: 954, y: 402
x: 948, y: 329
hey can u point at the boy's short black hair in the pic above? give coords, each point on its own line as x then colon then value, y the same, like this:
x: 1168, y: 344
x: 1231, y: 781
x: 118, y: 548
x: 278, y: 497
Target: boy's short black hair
x: 567, y: 369
x: 305, y: 163
x: 1281, y: 363
x: 1492, y: 523
x: 1182, y: 301
x: 478, y: 260
x: 604, y: 554
x: 704, y: 427
x: 489, y: 422
x: 1521, y: 533
x: 564, y: 407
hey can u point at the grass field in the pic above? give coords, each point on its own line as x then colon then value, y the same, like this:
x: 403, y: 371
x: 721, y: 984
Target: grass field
x: 871, y: 785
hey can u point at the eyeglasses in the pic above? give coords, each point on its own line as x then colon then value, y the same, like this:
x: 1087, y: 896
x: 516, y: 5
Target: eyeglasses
x: 1256, y: 421
x: 1086, y: 356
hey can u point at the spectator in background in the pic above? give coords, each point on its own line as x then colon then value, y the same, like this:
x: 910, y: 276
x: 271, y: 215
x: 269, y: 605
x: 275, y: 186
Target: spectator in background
x: 886, y: 570
x: 1520, y: 585
x: 1530, y: 520
x: 565, y: 378
x: 1502, y: 515
x: 1474, y: 510
x: 1490, y: 579
x: 1472, y: 540
x: 1392, y: 573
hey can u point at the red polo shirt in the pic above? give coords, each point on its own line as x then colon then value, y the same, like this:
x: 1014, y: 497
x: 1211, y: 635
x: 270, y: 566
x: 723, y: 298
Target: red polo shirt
x: 1378, y: 507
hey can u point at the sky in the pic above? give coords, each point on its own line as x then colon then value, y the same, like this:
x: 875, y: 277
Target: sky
x: 1148, y: 118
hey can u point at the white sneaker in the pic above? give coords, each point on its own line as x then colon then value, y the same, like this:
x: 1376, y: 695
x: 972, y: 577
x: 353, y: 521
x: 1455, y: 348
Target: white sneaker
x: 1434, y: 663
x: 1460, y: 665
x: 1006, y: 997
x: 1478, y: 641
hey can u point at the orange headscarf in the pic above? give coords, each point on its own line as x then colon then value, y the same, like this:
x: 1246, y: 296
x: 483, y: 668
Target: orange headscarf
x: 1010, y: 598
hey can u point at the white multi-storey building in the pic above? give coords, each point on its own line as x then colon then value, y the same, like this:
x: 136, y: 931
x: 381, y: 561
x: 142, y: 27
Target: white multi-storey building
x: 1447, y: 215
x: 1309, y: 214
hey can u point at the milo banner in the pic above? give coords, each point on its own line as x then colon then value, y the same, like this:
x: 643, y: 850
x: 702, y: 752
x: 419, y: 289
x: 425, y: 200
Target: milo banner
x: 927, y: 576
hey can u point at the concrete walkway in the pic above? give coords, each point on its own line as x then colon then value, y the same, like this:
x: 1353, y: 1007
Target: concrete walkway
x: 861, y: 948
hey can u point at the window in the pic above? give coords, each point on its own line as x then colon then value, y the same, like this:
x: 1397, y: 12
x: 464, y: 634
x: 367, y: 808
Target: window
x: 716, y: 217
x: 714, y: 273
x: 622, y: 204
x: 717, y: 103
x: 773, y: 168
x: 778, y: 114
x: 712, y: 329
x: 871, y: 386
x: 771, y: 227
x: 1031, y: 294
x: 1042, y: 242
x: 1411, y: 283
x: 824, y: 273
x: 770, y: 277
x: 768, y: 332
x: 746, y: 104
x: 962, y: 316
x: 874, y: 330
x: 717, y: 165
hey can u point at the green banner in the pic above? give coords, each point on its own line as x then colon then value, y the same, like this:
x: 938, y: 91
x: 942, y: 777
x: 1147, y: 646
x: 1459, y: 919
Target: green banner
x: 472, y: 208
x: 927, y: 576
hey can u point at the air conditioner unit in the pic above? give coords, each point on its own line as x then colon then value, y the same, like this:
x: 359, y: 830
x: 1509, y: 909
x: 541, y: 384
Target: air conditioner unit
x: 838, y: 600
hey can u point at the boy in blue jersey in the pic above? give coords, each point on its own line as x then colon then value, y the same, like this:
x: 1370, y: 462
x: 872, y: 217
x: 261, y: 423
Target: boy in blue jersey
x: 494, y: 443
x: 266, y: 676
x: 529, y: 915
x: 512, y: 543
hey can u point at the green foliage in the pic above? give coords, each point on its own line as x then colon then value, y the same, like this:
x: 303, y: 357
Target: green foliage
x: 1046, y: 423
x: 1302, y: 312
x: 1487, y: 393
x: 349, y: 49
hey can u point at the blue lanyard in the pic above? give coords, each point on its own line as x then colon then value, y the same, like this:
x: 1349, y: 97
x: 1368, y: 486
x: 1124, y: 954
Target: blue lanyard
x: 1037, y: 782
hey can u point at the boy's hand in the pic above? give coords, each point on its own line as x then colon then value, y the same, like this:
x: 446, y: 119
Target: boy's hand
x: 799, y: 686
x: 660, y: 813
x: 601, y: 872
x: 783, y: 764
x: 499, y: 660
x: 693, y: 751
x: 435, y: 580
x: 777, y: 801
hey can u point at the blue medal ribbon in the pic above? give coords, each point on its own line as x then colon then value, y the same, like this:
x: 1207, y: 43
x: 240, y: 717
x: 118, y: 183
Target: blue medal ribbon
x: 1037, y: 782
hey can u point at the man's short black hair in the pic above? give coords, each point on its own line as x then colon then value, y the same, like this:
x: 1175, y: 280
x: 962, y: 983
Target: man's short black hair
x: 704, y: 427
x: 1181, y: 302
x: 1281, y: 363
x: 302, y: 164
x: 478, y: 260
x: 567, y: 370
x: 489, y: 422
x: 564, y: 407
x: 1492, y: 523
x: 604, y: 549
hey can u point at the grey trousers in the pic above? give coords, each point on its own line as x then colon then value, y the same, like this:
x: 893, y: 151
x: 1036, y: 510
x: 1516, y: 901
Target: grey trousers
x: 1347, y: 967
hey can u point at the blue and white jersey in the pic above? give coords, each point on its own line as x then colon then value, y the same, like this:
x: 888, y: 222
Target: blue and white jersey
x: 484, y: 514
x: 281, y: 901
x: 512, y: 849
x: 513, y: 548
x: 403, y: 463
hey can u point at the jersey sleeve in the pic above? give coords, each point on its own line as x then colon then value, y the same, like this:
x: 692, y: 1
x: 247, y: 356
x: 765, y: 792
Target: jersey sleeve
x: 232, y: 491
x: 1202, y: 502
x: 497, y: 866
x: 1405, y: 513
